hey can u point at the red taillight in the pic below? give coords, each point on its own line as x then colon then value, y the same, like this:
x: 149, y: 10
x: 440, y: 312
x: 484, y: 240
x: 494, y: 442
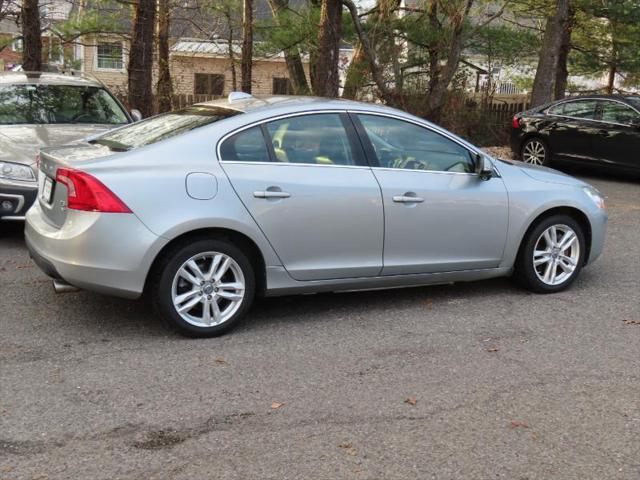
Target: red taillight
x: 85, y: 192
x: 516, y: 122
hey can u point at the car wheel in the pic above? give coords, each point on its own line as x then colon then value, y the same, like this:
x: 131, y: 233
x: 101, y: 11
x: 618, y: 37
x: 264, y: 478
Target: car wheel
x: 204, y: 287
x: 552, y: 255
x: 535, y: 152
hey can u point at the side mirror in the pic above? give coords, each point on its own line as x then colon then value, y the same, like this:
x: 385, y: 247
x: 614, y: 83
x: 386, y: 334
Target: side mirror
x: 136, y: 115
x: 484, y: 168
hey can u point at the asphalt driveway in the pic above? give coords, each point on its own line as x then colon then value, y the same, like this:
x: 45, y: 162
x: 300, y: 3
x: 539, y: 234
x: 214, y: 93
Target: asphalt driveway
x: 472, y: 381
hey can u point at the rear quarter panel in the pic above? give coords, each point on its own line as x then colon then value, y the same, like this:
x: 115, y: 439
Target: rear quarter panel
x: 152, y: 182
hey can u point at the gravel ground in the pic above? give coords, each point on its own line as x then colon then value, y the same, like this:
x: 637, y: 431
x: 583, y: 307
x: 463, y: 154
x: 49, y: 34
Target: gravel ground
x: 471, y: 381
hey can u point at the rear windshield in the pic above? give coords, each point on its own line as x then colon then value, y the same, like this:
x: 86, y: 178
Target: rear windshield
x: 162, y: 127
x: 55, y: 104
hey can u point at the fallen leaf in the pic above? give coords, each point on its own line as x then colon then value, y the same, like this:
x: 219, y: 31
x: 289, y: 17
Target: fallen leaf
x: 276, y: 405
x: 631, y: 322
x: 221, y: 361
x: 6, y: 469
x: 428, y: 304
x: 516, y: 424
x: 349, y: 448
x: 492, y: 349
x: 411, y: 401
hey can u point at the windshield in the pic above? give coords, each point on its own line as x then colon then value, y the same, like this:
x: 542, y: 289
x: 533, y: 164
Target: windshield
x: 162, y: 127
x: 51, y: 104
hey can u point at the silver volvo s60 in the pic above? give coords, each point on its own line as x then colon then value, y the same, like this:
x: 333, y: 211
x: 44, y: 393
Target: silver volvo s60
x: 204, y: 208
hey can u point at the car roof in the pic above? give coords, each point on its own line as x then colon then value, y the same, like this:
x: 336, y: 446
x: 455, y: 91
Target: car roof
x: 47, y: 78
x: 599, y: 96
x: 258, y: 103
x: 258, y: 108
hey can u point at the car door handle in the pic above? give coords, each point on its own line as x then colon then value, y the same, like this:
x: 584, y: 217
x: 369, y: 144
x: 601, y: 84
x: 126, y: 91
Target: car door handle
x: 407, y: 199
x: 271, y: 194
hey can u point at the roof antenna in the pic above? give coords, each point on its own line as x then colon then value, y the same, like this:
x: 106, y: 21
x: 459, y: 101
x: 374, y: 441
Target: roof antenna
x: 235, y: 96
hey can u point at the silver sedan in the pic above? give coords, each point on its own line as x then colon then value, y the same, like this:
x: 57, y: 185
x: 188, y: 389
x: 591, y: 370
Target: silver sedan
x: 205, y: 208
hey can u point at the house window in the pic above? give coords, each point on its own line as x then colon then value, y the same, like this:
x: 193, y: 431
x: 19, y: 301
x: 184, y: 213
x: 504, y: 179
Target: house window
x: 16, y: 45
x: 281, y: 86
x: 208, y: 83
x: 110, y: 56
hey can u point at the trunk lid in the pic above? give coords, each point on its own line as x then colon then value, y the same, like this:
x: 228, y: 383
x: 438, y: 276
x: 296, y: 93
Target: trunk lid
x: 52, y: 195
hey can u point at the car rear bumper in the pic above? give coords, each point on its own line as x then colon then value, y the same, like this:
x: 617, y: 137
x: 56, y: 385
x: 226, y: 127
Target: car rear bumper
x: 109, y: 253
x: 16, y: 198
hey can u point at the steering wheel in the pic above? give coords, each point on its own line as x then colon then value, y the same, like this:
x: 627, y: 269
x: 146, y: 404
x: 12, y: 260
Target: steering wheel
x: 460, y: 162
x: 80, y: 116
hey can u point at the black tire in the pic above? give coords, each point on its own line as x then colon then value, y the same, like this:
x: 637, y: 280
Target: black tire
x: 525, y: 272
x: 533, y: 144
x: 160, y: 290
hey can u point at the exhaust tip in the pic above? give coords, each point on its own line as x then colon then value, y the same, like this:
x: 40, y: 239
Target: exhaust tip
x: 60, y: 286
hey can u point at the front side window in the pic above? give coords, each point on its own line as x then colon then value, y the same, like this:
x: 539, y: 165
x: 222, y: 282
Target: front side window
x: 404, y: 145
x: 58, y: 104
x: 110, y: 56
x: 245, y: 146
x: 319, y: 139
x: 161, y: 127
x: 580, y: 109
x: 614, y: 112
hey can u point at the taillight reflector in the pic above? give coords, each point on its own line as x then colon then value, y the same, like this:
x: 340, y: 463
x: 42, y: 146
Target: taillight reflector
x: 85, y: 192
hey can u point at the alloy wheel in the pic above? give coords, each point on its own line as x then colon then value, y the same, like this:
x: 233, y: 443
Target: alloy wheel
x: 208, y: 289
x: 534, y: 152
x: 556, y: 254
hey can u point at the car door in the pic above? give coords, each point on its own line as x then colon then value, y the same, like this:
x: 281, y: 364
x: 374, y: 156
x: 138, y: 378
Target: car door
x: 305, y: 181
x: 439, y: 215
x: 618, y: 140
x: 573, y: 129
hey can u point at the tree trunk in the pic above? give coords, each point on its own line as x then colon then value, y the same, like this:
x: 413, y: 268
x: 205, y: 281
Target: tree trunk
x: 141, y: 58
x: 543, y: 84
x: 164, y: 87
x: 31, y: 34
x: 329, y: 34
x: 232, y: 57
x: 562, y: 73
x: 371, y: 54
x: 356, y: 73
x: 292, y: 58
x: 247, y: 45
x: 441, y: 83
x: 382, y: 39
x: 611, y: 83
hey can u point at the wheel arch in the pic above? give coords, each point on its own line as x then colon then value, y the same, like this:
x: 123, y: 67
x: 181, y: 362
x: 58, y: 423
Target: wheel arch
x: 240, y: 240
x: 573, y: 212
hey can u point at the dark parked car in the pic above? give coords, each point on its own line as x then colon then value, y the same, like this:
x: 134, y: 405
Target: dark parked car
x: 602, y: 130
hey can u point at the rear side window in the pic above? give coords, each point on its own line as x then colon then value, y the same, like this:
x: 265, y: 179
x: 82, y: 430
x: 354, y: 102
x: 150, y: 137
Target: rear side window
x: 319, y: 139
x: 579, y: 109
x: 245, y: 146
